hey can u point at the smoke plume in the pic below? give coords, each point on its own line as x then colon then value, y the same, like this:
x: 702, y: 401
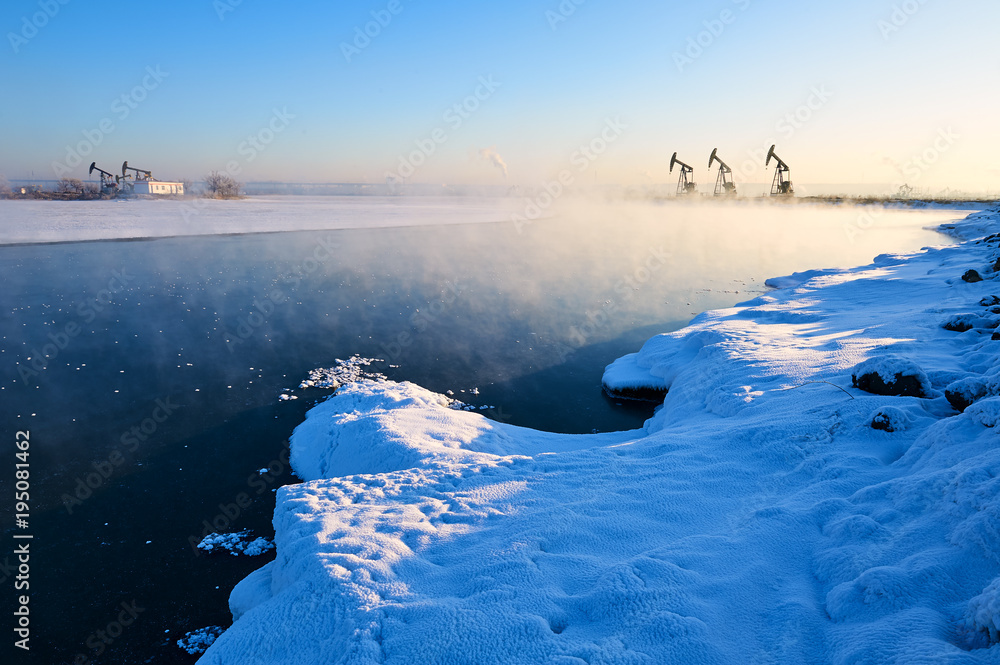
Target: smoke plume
x: 490, y: 154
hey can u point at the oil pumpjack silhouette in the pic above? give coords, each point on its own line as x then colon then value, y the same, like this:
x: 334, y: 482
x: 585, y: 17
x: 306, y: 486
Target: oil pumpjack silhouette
x: 109, y: 183
x: 724, y: 185
x: 782, y: 184
x: 685, y: 181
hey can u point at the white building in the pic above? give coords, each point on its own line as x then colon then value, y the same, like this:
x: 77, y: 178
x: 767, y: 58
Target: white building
x: 158, y: 187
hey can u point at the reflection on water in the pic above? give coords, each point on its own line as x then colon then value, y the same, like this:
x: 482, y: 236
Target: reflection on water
x: 149, y: 372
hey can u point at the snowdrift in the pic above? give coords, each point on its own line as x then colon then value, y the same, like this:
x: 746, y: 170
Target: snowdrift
x: 772, y: 511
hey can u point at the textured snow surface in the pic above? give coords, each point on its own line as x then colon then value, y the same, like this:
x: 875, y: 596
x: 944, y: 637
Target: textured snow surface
x: 758, y: 517
x: 984, y: 611
x: 798, y: 278
x: 63, y: 221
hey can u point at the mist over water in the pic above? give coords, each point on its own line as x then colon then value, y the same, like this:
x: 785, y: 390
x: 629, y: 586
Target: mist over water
x: 215, y: 328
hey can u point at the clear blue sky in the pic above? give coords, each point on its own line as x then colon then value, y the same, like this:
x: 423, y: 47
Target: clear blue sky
x: 884, y: 88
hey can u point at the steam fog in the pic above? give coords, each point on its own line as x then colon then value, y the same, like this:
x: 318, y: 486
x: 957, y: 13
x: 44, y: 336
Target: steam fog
x: 487, y: 304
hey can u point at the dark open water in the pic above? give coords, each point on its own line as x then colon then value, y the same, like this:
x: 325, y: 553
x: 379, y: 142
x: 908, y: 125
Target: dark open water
x: 148, y: 375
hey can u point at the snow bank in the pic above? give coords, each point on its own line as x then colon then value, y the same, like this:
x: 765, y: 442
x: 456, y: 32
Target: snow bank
x: 798, y: 278
x: 985, y: 412
x: 769, y: 512
x: 984, y: 611
x: 373, y: 427
x: 654, y: 368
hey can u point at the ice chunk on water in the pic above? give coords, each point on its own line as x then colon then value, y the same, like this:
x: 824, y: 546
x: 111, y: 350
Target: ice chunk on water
x: 236, y: 543
x: 343, y: 372
x: 198, y: 641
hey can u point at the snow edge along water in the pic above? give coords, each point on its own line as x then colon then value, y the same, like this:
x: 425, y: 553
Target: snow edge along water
x: 769, y: 511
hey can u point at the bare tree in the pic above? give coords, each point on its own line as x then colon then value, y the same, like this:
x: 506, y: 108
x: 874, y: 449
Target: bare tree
x: 222, y: 186
x: 4, y: 187
x: 70, y: 186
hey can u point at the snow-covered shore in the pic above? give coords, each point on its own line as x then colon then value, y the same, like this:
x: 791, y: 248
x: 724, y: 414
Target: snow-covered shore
x: 770, y: 512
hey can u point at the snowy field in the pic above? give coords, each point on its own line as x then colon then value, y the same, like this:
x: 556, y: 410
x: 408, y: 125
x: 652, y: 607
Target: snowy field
x: 770, y: 512
x: 67, y: 221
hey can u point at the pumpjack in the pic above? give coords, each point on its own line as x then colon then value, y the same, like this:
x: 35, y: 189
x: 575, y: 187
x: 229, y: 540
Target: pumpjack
x: 139, y: 173
x: 724, y: 185
x: 782, y: 184
x: 685, y: 181
x: 109, y: 184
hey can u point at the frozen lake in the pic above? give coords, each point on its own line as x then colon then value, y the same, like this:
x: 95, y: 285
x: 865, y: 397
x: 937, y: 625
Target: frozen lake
x: 61, y: 221
x: 192, y: 339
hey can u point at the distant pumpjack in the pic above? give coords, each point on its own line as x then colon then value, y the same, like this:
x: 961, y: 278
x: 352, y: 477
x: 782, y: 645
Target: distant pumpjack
x: 139, y: 173
x: 685, y: 181
x: 782, y: 184
x: 108, y: 183
x: 724, y: 185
